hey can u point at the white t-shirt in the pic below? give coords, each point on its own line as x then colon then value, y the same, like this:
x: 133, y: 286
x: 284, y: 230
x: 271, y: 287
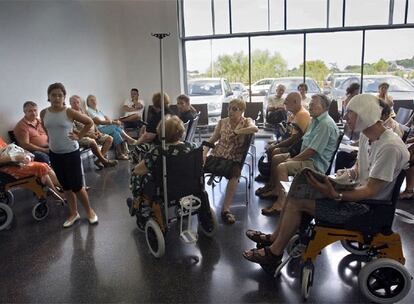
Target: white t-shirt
x: 383, y: 160
x: 129, y: 103
x: 306, y: 102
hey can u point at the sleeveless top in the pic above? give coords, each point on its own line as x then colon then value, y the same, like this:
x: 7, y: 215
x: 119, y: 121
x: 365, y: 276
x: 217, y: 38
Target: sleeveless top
x: 58, y: 126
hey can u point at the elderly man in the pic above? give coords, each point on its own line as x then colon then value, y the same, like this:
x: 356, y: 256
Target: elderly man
x: 280, y: 152
x: 276, y: 111
x: 93, y: 138
x: 381, y: 157
x: 31, y: 135
x: 318, y: 146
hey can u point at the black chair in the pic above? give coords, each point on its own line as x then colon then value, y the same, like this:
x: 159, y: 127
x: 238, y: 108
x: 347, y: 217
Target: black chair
x: 185, y: 180
x: 341, y: 135
x: 406, y: 103
x: 215, y: 179
x: 406, y: 132
x: 12, y: 137
x: 403, y: 115
x: 224, y: 110
x: 254, y: 110
x: 186, y: 124
x: 191, y: 132
x: 202, y: 110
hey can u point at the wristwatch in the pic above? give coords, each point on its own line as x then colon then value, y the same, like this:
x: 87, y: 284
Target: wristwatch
x: 339, y: 197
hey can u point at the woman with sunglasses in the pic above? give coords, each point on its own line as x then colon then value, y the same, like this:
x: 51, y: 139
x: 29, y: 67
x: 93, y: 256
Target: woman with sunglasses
x: 225, y: 159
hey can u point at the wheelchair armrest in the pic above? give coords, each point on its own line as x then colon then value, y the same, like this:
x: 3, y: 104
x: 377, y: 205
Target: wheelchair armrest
x: 376, y: 202
x: 208, y: 144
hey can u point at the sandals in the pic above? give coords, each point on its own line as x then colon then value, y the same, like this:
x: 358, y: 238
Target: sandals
x: 268, y: 195
x: 269, y: 258
x: 261, y: 190
x: 269, y: 211
x: 406, y: 195
x: 228, y: 217
x: 259, y: 237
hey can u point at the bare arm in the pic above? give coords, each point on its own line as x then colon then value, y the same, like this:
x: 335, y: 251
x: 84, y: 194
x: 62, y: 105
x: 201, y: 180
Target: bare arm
x: 146, y: 137
x: 304, y: 155
x: 82, y: 118
x: 22, y: 138
x: 249, y: 129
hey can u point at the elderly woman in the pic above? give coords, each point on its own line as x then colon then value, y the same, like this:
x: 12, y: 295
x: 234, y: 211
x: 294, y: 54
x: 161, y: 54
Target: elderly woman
x: 230, y: 136
x: 174, y: 130
x: 150, y: 134
x: 110, y: 127
x: 25, y: 166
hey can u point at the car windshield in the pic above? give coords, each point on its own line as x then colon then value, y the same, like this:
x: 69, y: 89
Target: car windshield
x: 396, y: 84
x: 204, y: 87
x: 236, y: 87
x: 292, y: 85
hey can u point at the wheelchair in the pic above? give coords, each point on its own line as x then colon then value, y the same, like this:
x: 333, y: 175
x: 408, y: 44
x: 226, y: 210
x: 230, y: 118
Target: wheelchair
x: 7, y: 183
x: 186, y: 196
x: 383, y: 279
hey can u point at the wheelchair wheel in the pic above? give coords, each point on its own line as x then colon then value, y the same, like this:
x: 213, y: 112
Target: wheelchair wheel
x: 6, y: 216
x: 355, y: 247
x: 212, y: 229
x: 40, y: 211
x: 292, y: 246
x: 141, y: 221
x: 307, y: 280
x: 7, y: 198
x: 155, y: 238
x: 384, y: 281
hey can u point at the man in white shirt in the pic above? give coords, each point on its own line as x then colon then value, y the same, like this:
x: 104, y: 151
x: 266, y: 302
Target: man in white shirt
x: 133, y: 109
x: 381, y: 157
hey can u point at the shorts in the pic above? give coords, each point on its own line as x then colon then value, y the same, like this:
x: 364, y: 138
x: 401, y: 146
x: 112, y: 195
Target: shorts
x: 87, y: 142
x: 338, y: 212
x: 294, y: 166
x: 68, y: 169
x: 222, y: 167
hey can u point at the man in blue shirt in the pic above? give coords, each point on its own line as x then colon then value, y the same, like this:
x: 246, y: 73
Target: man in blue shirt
x: 318, y: 146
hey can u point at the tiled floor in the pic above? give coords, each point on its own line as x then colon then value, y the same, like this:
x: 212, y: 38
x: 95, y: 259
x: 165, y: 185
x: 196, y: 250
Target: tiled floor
x: 41, y: 262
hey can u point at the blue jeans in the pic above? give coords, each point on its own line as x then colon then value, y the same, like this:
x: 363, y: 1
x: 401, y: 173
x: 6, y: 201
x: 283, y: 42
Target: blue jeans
x: 42, y: 157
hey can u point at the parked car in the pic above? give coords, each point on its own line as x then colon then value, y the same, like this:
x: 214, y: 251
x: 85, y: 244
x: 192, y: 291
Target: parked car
x: 261, y: 86
x: 240, y: 91
x: 291, y: 84
x: 335, y: 79
x: 400, y: 88
x: 213, y: 91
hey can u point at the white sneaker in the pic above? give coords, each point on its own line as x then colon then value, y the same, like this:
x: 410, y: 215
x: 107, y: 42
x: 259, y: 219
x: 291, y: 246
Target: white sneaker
x: 70, y: 222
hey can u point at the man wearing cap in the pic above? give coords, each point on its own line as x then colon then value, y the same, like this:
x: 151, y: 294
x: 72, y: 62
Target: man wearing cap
x: 381, y: 157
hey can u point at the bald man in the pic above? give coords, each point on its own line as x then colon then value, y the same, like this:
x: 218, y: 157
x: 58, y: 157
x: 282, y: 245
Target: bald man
x: 279, y: 152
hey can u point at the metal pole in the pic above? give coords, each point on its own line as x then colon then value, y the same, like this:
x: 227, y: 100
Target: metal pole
x: 362, y: 61
x: 161, y: 36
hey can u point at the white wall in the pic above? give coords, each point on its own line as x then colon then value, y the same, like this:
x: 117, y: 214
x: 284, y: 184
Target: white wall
x: 93, y: 47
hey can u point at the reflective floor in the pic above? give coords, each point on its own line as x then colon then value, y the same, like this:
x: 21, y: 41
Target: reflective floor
x: 41, y: 262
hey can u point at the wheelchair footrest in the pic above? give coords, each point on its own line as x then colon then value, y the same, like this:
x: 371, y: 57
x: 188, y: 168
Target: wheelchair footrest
x: 189, y: 236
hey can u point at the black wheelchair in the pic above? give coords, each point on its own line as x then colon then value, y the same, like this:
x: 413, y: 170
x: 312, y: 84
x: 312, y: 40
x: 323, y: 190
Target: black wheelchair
x: 186, y: 196
x: 7, y: 183
x: 383, y: 279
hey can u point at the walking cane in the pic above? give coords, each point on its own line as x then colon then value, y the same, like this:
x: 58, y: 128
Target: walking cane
x: 161, y: 36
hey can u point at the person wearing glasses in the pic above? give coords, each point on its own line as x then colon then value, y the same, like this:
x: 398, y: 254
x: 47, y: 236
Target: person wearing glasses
x: 225, y: 159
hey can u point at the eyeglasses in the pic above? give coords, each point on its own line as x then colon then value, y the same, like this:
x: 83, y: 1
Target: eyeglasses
x: 235, y: 109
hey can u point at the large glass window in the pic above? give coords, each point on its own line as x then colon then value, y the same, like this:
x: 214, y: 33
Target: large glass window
x: 399, y: 11
x: 221, y: 18
x: 277, y: 15
x: 335, y: 13
x: 249, y: 15
x: 306, y: 14
x: 197, y: 18
x: 389, y: 54
x: 329, y: 64
x: 410, y: 16
x: 367, y: 12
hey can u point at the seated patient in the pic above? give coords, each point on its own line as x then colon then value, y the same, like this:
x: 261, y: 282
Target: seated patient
x: 381, y: 157
x: 318, y: 146
x: 110, y: 127
x: 133, y: 109
x: 92, y: 138
x: 26, y: 166
x: 275, y: 111
x: 142, y: 172
x: 187, y: 112
x: 225, y: 159
x: 150, y: 134
x: 31, y: 135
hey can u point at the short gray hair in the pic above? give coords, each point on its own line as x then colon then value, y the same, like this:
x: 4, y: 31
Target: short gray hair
x: 324, y: 100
